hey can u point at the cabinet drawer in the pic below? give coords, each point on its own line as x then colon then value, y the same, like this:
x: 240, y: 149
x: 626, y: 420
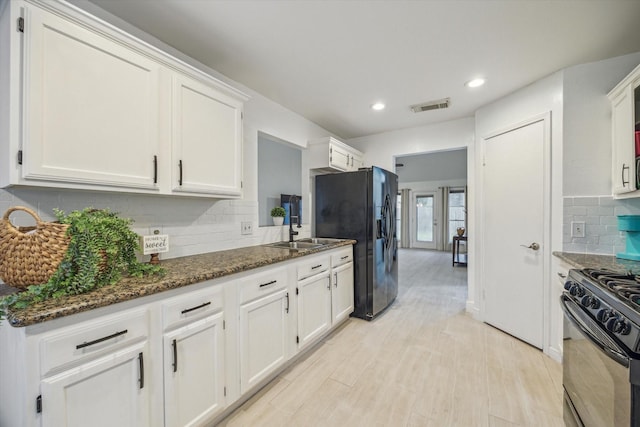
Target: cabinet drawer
x: 342, y: 257
x: 192, y: 305
x: 312, y: 267
x: 261, y: 284
x: 92, y: 338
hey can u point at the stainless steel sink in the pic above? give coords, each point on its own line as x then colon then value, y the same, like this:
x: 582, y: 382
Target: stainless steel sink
x: 295, y: 245
x: 320, y: 240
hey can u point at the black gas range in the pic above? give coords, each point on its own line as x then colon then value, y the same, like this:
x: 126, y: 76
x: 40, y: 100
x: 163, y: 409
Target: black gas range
x: 601, y: 351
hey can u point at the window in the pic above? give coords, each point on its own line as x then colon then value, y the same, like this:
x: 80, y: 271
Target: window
x: 457, y: 212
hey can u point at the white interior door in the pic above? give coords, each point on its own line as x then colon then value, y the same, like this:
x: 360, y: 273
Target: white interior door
x: 513, y: 236
x: 424, y: 220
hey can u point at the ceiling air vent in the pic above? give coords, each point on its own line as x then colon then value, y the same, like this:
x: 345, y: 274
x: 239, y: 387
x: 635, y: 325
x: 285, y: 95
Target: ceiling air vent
x: 431, y: 105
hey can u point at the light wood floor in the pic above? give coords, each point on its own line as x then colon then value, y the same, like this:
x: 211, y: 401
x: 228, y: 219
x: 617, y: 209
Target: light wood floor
x: 424, y: 362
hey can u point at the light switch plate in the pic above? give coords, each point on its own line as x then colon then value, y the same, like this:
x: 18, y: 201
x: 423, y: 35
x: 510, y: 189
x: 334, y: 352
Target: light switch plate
x: 577, y: 229
x: 246, y: 227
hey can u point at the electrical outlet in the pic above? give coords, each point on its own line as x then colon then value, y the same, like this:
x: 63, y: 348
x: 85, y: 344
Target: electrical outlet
x: 246, y: 227
x: 155, y: 230
x: 577, y: 229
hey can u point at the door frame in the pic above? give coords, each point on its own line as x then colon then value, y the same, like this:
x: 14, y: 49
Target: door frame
x: 414, y: 220
x: 546, y: 241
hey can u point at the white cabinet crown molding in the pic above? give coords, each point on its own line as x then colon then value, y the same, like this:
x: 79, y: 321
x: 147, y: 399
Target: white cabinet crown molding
x: 87, y: 20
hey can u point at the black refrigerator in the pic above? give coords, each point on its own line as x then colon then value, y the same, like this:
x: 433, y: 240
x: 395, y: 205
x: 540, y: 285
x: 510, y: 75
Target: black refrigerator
x: 361, y: 205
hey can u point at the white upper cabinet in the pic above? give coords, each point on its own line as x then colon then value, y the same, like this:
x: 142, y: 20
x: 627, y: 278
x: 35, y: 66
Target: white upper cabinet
x: 625, y: 120
x: 85, y: 105
x: 206, y: 140
x: 91, y: 107
x: 330, y: 155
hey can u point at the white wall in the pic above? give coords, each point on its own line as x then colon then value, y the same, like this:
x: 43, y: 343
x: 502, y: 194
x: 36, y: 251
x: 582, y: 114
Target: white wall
x: 381, y: 149
x: 545, y: 95
x: 541, y: 97
x: 587, y: 124
x: 195, y: 225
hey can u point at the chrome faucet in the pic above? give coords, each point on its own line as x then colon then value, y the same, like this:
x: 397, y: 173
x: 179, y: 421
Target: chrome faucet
x: 293, y: 198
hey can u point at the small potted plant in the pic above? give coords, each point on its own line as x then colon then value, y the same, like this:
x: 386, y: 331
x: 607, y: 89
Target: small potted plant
x: 278, y: 213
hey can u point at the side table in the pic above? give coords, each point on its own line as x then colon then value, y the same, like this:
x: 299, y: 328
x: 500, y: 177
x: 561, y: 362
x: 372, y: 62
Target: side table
x: 457, y: 257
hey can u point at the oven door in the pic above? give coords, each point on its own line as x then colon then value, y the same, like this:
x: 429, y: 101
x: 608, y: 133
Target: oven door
x: 595, y: 373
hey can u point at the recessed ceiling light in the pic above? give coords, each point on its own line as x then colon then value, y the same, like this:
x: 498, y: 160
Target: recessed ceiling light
x: 475, y: 83
x: 378, y: 106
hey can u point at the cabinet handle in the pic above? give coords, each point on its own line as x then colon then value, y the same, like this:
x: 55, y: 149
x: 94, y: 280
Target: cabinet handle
x: 624, y: 183
x: 562, y: 276
x: 316, y: 266
x: 141, y: 364
x: 99, y: 340
x: 268, y: 283
x: 180, y: 172
x: 155, y: 169
x: 335, y: 276
x: 351, y: 160
x: 196, y: 307
x: 286, y: 310
x: 344, y: 257
x: 175, y: 355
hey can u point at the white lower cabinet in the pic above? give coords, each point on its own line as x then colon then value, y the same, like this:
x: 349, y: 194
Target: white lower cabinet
x: 342, y: 282
x: 342, y: 292
x: 194, y: 372
x: 264, y: 325
x: 314, y: 308
x: 178, y: 360
x: 193, y: 345
x: 109, y: 391
x: 95, y: 373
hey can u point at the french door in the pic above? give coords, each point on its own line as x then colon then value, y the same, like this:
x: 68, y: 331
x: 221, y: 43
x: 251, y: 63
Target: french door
x: 424, y: 221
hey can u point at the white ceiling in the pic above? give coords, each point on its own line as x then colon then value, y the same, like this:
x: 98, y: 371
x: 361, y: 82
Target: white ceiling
x: 330, y: 60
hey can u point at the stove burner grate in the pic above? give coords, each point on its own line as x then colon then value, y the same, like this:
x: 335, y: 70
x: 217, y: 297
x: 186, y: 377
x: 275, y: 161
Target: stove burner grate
x: 625, y: 285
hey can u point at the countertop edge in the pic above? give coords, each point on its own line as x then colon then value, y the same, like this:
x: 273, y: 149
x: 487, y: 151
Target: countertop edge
x: 181, y: 272
x: 582, y: 260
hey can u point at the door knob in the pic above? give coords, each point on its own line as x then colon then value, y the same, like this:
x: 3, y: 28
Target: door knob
x: 533, y: 246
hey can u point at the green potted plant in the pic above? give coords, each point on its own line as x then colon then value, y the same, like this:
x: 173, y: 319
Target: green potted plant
x: 101, y: 249
x: 278, y: 213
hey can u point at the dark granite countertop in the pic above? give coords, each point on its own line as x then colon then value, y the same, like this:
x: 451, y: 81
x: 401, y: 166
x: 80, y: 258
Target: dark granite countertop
x: 599, y: 261
x: 180, y: 272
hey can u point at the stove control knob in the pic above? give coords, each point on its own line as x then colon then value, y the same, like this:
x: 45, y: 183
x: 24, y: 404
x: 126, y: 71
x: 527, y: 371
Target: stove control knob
x: 567, y: 285
x: 618, y: 326
x: 588, y: 301
x: 595, y: 303
x: 604, y: 315
x: 576, y: 290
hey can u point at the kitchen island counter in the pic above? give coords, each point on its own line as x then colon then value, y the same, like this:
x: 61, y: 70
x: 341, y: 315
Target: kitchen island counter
x: 180, y: 272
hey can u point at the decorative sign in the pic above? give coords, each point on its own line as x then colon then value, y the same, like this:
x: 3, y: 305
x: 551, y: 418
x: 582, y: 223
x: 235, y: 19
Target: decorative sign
x: 155, y: 244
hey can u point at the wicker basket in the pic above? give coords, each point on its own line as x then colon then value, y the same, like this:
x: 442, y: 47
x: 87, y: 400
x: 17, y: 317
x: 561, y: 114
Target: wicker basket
x: 30, y: 255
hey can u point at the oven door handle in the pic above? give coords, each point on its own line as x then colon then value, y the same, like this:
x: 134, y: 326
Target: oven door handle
x: 616, y: 354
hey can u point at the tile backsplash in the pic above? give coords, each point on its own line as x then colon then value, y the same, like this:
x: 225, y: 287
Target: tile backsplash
x: 599, y: 213
x: 194, y: 225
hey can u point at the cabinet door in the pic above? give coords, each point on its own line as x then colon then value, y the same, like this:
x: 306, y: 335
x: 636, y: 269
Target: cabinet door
x: 108, y: 391
x: 314, y: 308
x: 356, y: 162
x: 91, y: 107
x: 342, y: 292
x: 263, y: 336
x: 624, y: 167
x: 338, y: 157
x: 207, y: 139
x: 194, y: 372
